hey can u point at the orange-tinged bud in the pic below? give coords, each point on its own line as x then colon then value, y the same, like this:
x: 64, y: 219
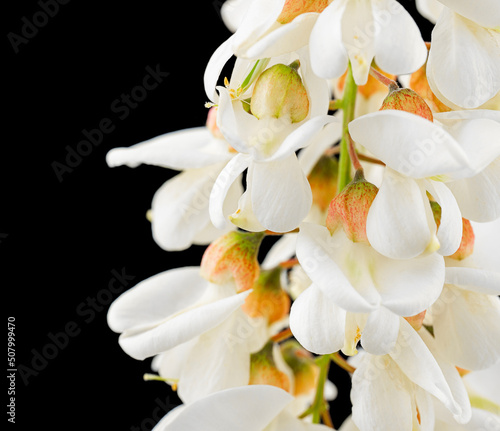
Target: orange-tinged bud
x: 405, y: 99
x: 466, y: 246
x: 293, y: 8
x: 280, y: 93
x: 303, y: 366
x: 268, y: 299
x: 416, y: 321
x: 263, y: 369
x: 233, y: 255
x: 350, y: 207
x: 323, y: 181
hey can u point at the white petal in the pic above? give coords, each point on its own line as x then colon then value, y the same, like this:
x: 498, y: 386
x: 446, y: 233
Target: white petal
x: 380, y: 396
x: 397, y: 225
x: 479, y: 196
x: 281, y: 251
x: 281, y: 195
x: 464, y: 61
x: 409, y: 286
x: 316, y: 251
x: 449, y: 233
x: 418, y: 364
x: 184, y: 149
x: 475, y: 280
x: 221, y: 187
x: 484, y: 383
x: 486, y: 240
x: 466, y: 328
x: 316, y: 322
x: 215, y: 363
x: 409, y: 144
x: 152, y: 300
x: 180, y: 207
x: 214, y: 67
x: 328, y: 54
x: 486, y: 13
x: 399, y: 47
x: 429, y: 9
x: 380, y: 332
x: 247, y: 408
x: 179, y: 328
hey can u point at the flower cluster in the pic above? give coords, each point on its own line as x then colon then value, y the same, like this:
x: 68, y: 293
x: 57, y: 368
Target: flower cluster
x: 375, y: 158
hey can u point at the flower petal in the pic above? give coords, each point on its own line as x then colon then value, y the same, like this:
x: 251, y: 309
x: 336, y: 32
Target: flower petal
x: 399, y: 47
x: 152, y: 300
x: 184, y: 149
x: 380, y: 332
x: 221, y: 187
x: 486, y: 13
x: 475, y: 280
x: 214, y: 67
x: 409, y: 144
x: 247, y: 408
x: 397, y: 225
x: 146, y: 342
x: 464, y: 61
x: 280, y: 193
x: 328, y: 55
x: 316, y: 322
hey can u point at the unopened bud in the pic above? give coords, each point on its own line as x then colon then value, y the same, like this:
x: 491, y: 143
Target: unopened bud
x: 264, y: 371
x: 268, y: 299
x: 416, y: 321
x: 405, y: 99
x: 350, y: 207
x: 466, y: 246
x: 323, y: 181
x: 233, y: 255
x: 280, y: 93
x: 293, y: 8
x: 304, y: 368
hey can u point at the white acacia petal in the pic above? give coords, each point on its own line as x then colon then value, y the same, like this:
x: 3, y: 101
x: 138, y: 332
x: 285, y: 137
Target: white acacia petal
x: 141, y: 344
x: 429, y: 9
x: 280, y: 193
x: 152, y: 300
x: 380, y: 332
x: 221, y: 187
x: 247, y: 408
x: 397, y: 225
x: 316, y: 322
x: 486, y: 240
x: 449, y: 233
x: 328, y: 55
x: 281, y: 251
x: 315, y: 251
x: 486, y: 13
x: 474, y: 279
x: 214, y: 67
x: 399, y: 47
x: 409, y: 144
x: 460, y: 50
x: 184, y: 149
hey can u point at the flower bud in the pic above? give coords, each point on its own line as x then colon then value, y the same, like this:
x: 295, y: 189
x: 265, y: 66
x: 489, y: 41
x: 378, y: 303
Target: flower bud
x: 350, y: 207
x: 264, y: 371
x: 405, y: 99
x: 280, y: 93
x: 416, y: 321
x: 323, y: 181
x: 466, y: 246
x: 293, y: 8
x: 268, y: 299
x: 304, y: 368
x: 233, y: 255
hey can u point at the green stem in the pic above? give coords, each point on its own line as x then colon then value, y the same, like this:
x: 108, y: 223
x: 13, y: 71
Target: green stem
x: 348, y: 104
x: 319, y: 402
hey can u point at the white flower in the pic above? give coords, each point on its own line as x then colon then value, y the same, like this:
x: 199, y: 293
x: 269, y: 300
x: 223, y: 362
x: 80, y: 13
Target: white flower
x: 463, y: 67
x: 360, y: 31
x: 179, y: 210
x: 466, y: 317
x: 357, y: 293
x: 195, y: 325
x: 247, y: 408
x: 455, y: 161
x: 397, y: 391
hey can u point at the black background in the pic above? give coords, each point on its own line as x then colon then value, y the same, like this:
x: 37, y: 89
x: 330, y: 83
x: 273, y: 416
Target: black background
x: 61, y: 240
